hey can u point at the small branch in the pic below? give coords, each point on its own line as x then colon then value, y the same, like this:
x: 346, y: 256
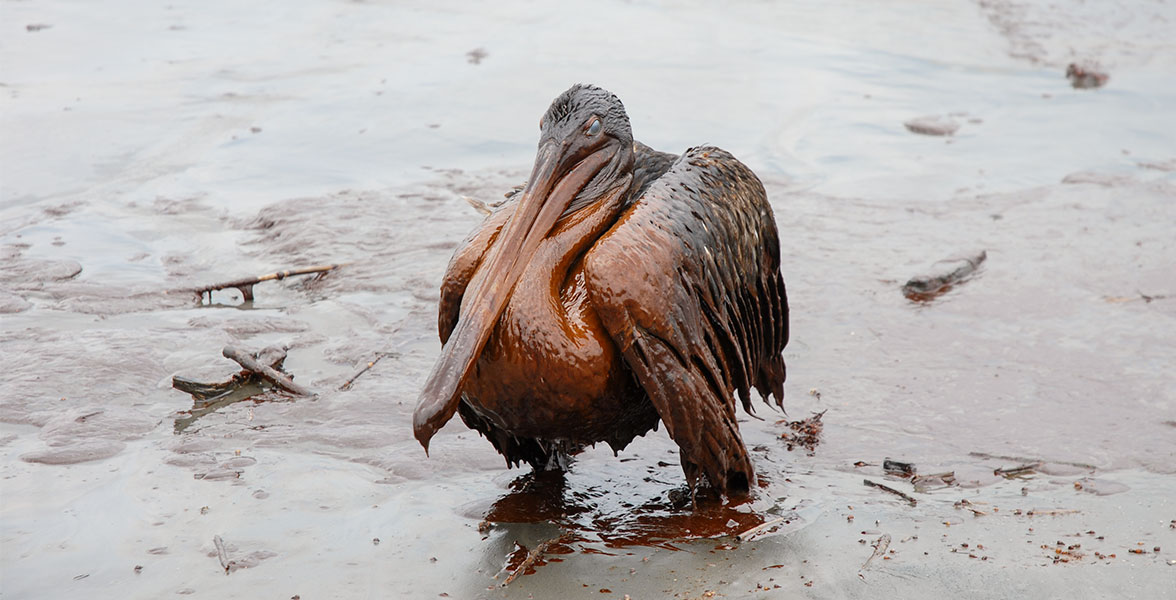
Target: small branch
x: 880, y: 546
x: 924, y: 483
x: 203, y: 391
x: 221, y: 553
x: 399, y: 342
x: 1017, y: 471
x: 1025, y: 460
x: 1052, y: 513
x: 246, y: 285
x: 924, y: 288
x: 380, y: 356
x: 764, y: 527
x: 887, y: 488
x: 270, y: 374
x: 532, y: 556
x: 770, y: 527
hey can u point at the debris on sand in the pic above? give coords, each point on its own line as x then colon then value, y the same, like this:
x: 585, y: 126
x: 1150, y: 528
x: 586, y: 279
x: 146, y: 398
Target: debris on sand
x: 272, y: 356
x: 786, y: 523
x: 245, y: 286
x: 221, y: 553
x: 530, y: 559
x: 880, y: 546
x: 951, y: 272
x: 250, y: 363
x: 887, y: 488
x: 379, y: 356
x: 248, y: 561
x: 897, y: 468
x: 805, y: 433
x: 932, y: 125
x: 264, y: 365
x: 926, y: 483
x: 475, y: 56
x: 1100, y: 487
x: 964, y: 503
x: 1020, y: 471
x: 1085, y: 77
x: 1147, y: 298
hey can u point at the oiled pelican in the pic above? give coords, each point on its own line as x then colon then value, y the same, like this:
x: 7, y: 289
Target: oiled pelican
x: 621, y: 286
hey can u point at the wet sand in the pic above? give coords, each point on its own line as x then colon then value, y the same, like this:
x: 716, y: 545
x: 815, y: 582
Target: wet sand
x: 151, y: 148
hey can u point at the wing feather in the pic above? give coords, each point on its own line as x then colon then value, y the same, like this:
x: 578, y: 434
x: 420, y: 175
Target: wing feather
x: 688, y: 285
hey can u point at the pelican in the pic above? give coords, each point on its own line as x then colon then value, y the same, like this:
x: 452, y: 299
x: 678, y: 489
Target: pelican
x: 620, y: 288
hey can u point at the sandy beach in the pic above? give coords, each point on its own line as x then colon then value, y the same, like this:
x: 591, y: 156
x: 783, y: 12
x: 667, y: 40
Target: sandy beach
x: 149, y: 149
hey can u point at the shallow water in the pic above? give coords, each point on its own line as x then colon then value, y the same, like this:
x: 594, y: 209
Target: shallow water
x: 153, y: 148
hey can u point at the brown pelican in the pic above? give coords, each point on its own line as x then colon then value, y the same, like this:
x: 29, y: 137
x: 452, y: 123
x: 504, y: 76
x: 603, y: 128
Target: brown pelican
x: 621, y: 286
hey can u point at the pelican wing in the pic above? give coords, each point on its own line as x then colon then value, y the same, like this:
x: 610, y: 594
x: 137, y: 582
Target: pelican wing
x: 688, y: 285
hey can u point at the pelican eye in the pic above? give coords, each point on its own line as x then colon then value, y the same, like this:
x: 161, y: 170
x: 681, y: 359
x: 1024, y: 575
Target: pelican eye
x: 593, y: 127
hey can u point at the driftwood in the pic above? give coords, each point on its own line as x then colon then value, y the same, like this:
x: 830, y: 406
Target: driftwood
x: 245, y: 286
x: 208, y: 398
x: 267, y: 372
x: 887, y: 488
x: 924, y: 288
x: 272, y: 356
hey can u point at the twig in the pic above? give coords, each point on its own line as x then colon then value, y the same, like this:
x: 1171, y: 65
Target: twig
x: 924, y: 288
x: 923, y: 483
x: 887, y: 488
x: 221, y: 553
x: 246, y: 285
x: 269, y: 373
x: 1024, y: 460
x: 880, y: 546
x: 532, y: 556
x: 1052, y: 513
x: 201, y: 391
x: 400, y: 341
x: 379, y: 356
x: 1017, y: 471
x: 764, y: 527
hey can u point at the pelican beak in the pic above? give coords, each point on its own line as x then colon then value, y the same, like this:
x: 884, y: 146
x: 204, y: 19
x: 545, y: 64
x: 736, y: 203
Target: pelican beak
x: 547, y: 195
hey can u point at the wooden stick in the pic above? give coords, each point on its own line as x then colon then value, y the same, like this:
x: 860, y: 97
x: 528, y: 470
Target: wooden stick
x: 880, y: 546
x: 246, y: 285
x: 764, y: 527
x: 532, y: 556
x: 887, y: 488
x: 221, y: 553
x: 379, y: 356
x: 204, y: 391
x: 270, y: 374
x: 1024, y: 460
x: 923, y: 288
x: 1017, y: 471
x: 399, y: 342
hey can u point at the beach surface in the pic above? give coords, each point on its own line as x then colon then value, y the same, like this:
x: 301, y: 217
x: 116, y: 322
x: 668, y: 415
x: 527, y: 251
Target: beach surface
x: 149, y: 149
